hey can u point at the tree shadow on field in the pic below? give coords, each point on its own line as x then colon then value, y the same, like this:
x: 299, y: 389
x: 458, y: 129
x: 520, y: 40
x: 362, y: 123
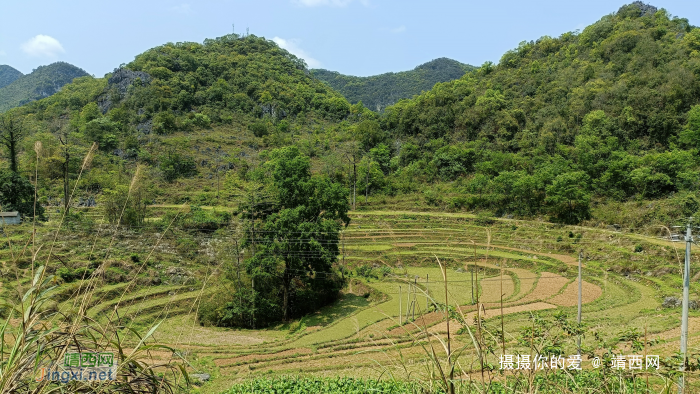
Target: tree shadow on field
x: 346, y: 305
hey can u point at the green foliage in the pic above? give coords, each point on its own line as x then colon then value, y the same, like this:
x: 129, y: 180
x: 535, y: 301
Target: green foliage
x: 369, y: 133
x: 259, y: 128
x: 199, y: 219
x: 42, y: 82
x: 164, y: 123
x: 126, y: 206
x: 104, y: 132
x: 691, y: 133
x: 453, y: 161
x: 294, y: 238
x: 17, y: 194
x: 69, y: 275
x: 8, y: 75
x: 568, y: 199
x: 174, y: 165
x: 228, y: 74
x: 609, y: 103
x: 294, y: 385
x: 365, y: 270
x: 379, y: 91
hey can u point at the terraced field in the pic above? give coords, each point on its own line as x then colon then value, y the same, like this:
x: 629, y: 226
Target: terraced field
x: 511, y: 268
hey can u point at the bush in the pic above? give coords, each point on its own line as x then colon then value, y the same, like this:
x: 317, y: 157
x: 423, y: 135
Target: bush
x: 258, y: 128
x: 164, y: 123
x: 365, y: 271
x: 124, y: 207
x: 200, y: 219
x: 17, y: 194
x: 174, y: 165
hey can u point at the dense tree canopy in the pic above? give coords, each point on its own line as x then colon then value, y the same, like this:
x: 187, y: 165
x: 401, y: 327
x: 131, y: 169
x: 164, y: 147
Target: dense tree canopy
x: 293, y: 235
x: 17, y: 194
x: 617, y: 103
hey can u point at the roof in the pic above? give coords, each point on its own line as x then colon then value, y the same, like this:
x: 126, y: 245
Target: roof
x: 9, y: 214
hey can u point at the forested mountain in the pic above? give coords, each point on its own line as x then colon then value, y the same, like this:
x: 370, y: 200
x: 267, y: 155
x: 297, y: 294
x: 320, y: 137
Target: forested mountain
x: 559, y: 127
x: 40, y: 83
x: 379, y: 91
x: 8, y: 75
x: 610, y: 113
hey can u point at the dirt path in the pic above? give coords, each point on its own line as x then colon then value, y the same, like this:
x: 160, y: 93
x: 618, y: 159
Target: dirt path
x: 693, y: 327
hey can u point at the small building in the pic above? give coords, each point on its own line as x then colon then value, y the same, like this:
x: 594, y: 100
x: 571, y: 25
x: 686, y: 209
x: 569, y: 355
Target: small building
x: 10, y: 218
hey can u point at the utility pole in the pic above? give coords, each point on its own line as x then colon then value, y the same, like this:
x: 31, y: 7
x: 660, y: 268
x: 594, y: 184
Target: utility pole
x: 400, y: 315
x: 253, y: 286
x: 408, y: 302
x: 427, y: 294
x: 415, y: 288
x: 686, y: 299
x: 580, y: 292
x: 369, y: 166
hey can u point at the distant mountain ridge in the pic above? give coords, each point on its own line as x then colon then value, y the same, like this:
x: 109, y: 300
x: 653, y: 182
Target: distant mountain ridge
x: 379, y: 91
x: 8, y: 75
x: 40, y: 83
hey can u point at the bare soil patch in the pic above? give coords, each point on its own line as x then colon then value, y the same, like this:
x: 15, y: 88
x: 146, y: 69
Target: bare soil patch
x: 491, y: 288
x: 491, y: 313
x: 569, y: 297
x: 548, y: 285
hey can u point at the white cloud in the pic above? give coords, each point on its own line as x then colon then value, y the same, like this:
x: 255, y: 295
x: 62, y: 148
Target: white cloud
x: 182, y: 9
x: 399, y: 29
x: 42, y: 45
x: 333, y: 3
x: 293, y: 47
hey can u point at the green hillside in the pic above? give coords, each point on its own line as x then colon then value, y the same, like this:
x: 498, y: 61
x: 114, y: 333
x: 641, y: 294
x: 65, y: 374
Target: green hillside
x: 180, y: 111
x: 8, y: 75
x: 379, y: 91
x: 40, y: 83
x: 574, y: 128
x: 610, y: 114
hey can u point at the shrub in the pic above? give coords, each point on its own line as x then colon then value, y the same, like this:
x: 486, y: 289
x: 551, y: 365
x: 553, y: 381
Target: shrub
x: 174, y: 165
x: 365, y: 271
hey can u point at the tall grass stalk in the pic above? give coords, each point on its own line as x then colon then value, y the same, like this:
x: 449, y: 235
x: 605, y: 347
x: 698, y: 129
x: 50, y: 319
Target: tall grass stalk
x: 36, y: 335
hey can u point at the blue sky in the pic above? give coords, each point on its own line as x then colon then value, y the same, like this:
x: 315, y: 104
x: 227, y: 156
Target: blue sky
x: 356, y: 37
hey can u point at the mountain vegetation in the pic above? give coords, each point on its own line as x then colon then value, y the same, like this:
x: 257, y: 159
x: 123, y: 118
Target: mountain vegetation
x: 608, y: 114
x: 8, y: 75
x: 16, y: 90
x: 379, y: 91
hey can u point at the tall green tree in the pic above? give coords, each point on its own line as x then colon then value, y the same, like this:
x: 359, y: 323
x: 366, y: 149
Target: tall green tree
x: 17, y: 194
x: 11, y: 133
x: 295, y: 244
x: 568, y: 198
x: 691, y: 134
